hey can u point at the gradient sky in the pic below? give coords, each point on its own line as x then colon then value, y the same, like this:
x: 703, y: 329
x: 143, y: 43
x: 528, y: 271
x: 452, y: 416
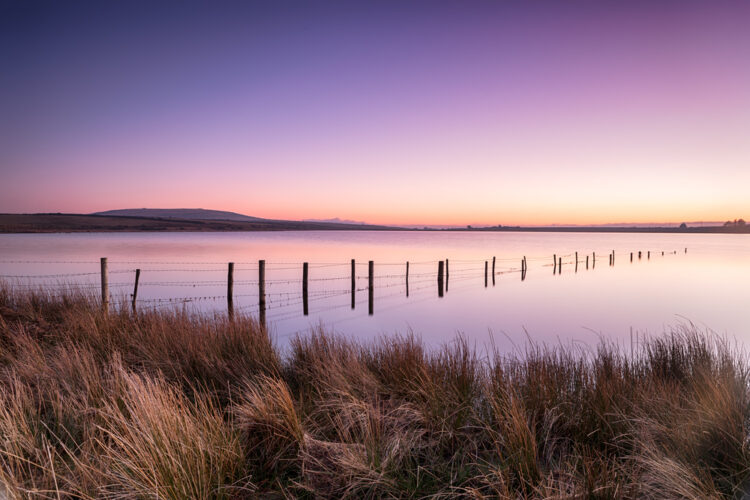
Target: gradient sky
x: 389, y: 112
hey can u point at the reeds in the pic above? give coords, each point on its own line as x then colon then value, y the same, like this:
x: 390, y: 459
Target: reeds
x: 178, y: 405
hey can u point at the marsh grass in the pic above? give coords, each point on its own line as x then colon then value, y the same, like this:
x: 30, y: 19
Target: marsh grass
x: 178, y: 405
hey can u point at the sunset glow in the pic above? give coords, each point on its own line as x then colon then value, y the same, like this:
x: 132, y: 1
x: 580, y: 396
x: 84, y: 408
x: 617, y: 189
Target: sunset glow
x: 398, y: 113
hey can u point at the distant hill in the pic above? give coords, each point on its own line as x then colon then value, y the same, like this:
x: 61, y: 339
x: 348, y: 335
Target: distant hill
x: 180, y: 213
x: 337, y: 220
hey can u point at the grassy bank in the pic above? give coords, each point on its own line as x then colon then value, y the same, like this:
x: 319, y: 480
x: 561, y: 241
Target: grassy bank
x: 169, y: 405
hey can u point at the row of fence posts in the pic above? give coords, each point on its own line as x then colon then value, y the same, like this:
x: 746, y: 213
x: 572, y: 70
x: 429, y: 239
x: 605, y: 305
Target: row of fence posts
x: 442, y: 280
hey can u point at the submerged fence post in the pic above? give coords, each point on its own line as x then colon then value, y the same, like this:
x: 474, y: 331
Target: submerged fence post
x: 554, y: 263
x: 407, y: 278
x: 105, y: 285
x: 559, y: 265
x: 135, y: 288
x: 304, y: 288
x: 440, y: 278
x: 648, y: 255
x: 485, y: 273
x: 230, y: 289
x: 639, y: 255
x: 576, y: 262
x: 631, y: 256
x: 371, y: 290
x: 262, y: 292
x: 493, y: 270
x: 587, y: 262
x: 593, y: 260
x: 354, y: 281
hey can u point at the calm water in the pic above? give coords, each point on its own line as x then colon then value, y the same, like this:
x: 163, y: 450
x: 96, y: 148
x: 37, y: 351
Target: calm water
x: 709, y: 285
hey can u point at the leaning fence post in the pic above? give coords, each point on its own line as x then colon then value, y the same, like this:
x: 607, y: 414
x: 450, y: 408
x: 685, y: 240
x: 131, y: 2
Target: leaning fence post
x: 105, y: 285
x: 262, y: 292
x: 304, y: 289
x: 230, y: 289
x: 370, y: 288
x: 135, y: 288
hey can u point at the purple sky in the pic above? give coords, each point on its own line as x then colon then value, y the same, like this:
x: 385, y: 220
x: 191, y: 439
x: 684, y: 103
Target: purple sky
x: 394, y: 112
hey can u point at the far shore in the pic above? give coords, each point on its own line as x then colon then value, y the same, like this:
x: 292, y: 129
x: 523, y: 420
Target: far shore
x: 88, y: 223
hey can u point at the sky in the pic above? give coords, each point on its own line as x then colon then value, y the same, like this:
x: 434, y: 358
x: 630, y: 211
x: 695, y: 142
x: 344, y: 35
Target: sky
x: 390, y: 112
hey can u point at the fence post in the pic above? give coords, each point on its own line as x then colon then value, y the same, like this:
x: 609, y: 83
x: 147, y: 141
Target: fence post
x: 559, y: 265
x: 576, y: 262
x: 407, y: 278
x: 440, y: 278
x: 354, y: 281
x: 262, y: 292
x: 446, y: 275
x: 493, y: 270
x: 105, y: 285
x: 304, y: 288
x: 230, y: 289
x: 648, y: 255
x: 370, y: 289
x: 587, y: 262
x: 485, y: 274
x: 135, y: 288
x: 639, y: 255
x: 593, y: 260
x: 554, y: 263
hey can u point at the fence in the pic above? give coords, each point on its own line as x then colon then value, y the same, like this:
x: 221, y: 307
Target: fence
x: 428, y: 274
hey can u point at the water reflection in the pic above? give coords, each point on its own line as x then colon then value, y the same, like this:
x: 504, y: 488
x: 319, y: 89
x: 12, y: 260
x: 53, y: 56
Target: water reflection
x: 546, y: 285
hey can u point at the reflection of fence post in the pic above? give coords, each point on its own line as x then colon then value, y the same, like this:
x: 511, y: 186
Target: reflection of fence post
x: 135, y: 288
x: 440, y: 278
x: 370, y: 280
x: 105, y: 285
x: 304, y: 289
x: 354, y: 281
x: 230, y: 289
x: 407, y: 278
x: 262, y: 292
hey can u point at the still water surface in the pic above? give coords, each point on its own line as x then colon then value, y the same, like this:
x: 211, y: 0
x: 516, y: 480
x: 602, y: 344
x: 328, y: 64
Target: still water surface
x: 708, y: 285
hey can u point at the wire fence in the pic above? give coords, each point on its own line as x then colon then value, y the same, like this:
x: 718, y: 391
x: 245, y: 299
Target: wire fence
x: 282, y: 291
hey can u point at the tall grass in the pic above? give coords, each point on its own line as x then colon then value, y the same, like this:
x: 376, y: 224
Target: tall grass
x: 178, y: 405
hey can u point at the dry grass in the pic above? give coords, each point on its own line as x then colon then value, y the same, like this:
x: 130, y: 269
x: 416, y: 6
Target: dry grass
x: 172, y: 405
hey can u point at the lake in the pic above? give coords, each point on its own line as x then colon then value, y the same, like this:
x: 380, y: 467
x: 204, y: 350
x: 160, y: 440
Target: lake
x: 709, y: 284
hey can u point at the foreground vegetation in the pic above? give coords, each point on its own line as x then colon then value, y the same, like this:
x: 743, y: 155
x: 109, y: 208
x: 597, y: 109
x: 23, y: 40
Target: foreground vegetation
x: 172, y: 405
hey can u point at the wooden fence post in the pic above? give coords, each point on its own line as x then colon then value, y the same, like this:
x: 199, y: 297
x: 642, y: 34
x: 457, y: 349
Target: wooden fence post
x: 493, y: 270
x: 554, y: 263
x: 559, y: 265
x: 485, y: 274
x: 587, y: 262
x: 230, y: 289
x: 105, y: 285
x: 354, y: 281
x: 407, y: 278
x: 304, y: 288
x: 135, y: 288
x: 576, y: 262
x: 440, y: 278
x: 262, y: 292
x: 371, y: 290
